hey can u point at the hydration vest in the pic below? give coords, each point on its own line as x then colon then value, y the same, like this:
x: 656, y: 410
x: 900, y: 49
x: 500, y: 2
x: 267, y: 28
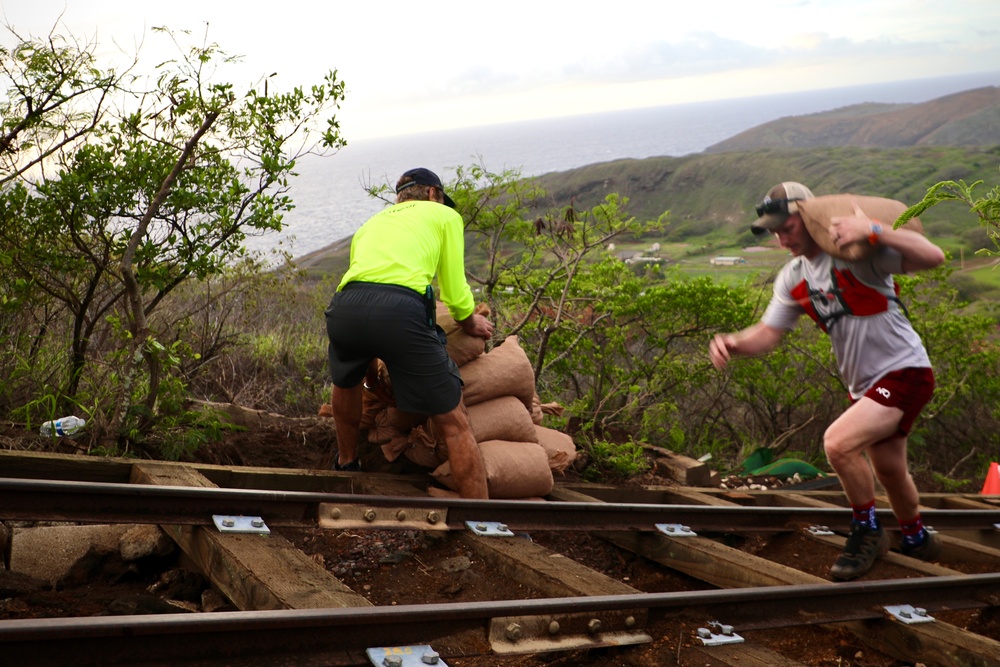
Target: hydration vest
x: 848, y: 296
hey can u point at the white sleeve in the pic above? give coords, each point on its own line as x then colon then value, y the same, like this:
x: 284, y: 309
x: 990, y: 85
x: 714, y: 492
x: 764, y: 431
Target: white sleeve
x: 783, y: 311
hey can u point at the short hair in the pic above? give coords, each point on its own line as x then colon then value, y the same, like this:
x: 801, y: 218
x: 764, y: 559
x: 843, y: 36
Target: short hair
x: 413, y: 192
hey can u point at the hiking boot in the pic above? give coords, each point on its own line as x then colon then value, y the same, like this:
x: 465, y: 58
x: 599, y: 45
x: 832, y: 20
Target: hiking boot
x: 928, y: 550
x: 864, y: 545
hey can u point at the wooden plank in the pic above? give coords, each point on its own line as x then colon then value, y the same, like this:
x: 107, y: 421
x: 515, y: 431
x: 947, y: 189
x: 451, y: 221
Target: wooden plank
x: 540, y: 568
x: 254, y: 571
x: 79, y: 468
x: 684, y: 470
x: 64, y: 467
x: 550, y: 574
x: 743, y: 655
x: 718, y: 565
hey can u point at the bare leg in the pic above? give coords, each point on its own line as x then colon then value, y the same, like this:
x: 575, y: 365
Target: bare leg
x: 866, y: 427
x: 463, y: 453
x: 889, y: 460
x: 347, y: 418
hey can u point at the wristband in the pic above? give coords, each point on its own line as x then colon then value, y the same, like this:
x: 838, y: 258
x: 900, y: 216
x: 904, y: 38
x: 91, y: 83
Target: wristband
x: 876, y: 233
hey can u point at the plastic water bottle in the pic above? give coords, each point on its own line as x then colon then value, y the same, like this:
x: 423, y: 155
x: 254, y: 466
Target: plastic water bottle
x: 65, y: 426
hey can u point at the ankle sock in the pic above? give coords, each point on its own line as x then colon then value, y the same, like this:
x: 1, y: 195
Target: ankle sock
x: 914, y: 533
x: 865, y: 515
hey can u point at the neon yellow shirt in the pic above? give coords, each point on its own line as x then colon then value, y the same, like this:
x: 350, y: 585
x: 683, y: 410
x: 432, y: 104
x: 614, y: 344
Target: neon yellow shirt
x: 408, y: 244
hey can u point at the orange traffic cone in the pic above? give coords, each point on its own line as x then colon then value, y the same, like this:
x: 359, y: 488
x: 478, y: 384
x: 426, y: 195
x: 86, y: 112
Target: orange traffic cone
x: 992, y: 485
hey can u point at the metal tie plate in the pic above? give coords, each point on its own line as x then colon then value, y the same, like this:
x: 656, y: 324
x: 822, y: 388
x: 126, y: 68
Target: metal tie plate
x: 909, y: 614
x: 420, y: 655
x: 675, y: 530
x: 489, y: 528
x: 240, y: 524
x: 719, y: 635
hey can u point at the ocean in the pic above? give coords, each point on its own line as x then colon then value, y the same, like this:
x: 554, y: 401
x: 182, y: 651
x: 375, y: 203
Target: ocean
x: 331, y: 202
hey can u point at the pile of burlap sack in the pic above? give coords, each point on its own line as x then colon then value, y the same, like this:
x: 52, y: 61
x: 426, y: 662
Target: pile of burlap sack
x: 505, y: 413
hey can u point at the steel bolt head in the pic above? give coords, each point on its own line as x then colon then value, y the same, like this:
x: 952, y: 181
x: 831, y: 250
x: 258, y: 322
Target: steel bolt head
x: 393, y: 661
x: 594, y: 625
x: 433, y: 517
x: 554, y: 628
x: 401, y: 515
x: 430, y: 657
x: 514, y: 632
x: 370, y: 515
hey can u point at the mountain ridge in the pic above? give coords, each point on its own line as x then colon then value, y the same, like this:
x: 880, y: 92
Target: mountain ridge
x: 968, y: 118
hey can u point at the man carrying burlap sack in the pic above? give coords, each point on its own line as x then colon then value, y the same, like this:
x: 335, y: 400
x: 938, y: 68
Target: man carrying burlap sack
x: 841, y: 276
x: 384, y: 309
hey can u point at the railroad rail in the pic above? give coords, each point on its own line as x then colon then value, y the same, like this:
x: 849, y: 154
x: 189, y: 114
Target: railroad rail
x: 225, y: 637
x: 137, y: 503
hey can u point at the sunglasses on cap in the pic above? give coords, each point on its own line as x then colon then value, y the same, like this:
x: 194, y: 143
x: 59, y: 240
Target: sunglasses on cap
x: 770, y: 206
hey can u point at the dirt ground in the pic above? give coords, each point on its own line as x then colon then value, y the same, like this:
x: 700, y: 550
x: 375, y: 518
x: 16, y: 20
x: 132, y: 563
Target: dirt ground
x: 397, y: 567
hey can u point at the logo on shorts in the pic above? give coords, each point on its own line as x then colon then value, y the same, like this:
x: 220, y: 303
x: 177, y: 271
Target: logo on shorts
x: 884, y: 392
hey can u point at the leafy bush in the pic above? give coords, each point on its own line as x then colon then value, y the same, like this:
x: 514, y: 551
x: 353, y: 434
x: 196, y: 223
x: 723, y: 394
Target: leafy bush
x: 614, y: 460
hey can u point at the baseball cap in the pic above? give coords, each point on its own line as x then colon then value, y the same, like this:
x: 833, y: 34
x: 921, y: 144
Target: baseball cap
x: 422, y: 176
x: 778, y: 204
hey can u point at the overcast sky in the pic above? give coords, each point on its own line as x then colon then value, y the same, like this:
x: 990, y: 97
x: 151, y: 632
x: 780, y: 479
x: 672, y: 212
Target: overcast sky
x: 414, y: 67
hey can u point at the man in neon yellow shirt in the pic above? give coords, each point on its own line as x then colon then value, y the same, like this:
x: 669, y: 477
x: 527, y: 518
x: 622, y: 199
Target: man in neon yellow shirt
x: 384, y: 309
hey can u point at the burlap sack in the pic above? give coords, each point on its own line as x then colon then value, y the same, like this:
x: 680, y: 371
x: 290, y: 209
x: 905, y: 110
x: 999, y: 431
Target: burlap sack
x: 559, y: 447
x: 817, y: 212
x: 536, y: 410
x: 501, y: 418
x: 462, y: 348
x: 513, y: 470
x: 503, y: 371
x: 419, y: 448
x: 392, y: 423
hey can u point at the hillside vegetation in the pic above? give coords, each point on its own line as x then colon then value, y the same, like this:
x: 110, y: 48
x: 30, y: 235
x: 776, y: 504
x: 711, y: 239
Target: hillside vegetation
x: 707, y: 193
x: 710, y: 197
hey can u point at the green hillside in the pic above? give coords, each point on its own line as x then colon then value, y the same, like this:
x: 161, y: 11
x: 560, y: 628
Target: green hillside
x: 710, y: 197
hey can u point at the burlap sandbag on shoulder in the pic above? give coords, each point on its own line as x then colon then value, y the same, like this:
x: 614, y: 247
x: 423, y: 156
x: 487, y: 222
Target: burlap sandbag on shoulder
x: 503, y: 371
x: 513, y: 470
x: 817, y: 213
x: 462, y: 348
x: 559, y: 447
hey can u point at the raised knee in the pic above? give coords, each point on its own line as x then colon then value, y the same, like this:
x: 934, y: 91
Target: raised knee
x: 833, y: 448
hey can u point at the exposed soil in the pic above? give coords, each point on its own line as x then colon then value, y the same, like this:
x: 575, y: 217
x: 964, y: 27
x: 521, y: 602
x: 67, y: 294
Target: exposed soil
x: 397, y: 567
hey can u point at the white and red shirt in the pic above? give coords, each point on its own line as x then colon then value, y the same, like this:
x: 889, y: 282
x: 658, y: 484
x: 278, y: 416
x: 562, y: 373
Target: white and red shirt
x: 855, y: 303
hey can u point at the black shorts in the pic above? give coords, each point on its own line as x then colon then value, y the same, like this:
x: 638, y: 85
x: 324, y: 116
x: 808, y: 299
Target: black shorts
x: 367, y: 321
